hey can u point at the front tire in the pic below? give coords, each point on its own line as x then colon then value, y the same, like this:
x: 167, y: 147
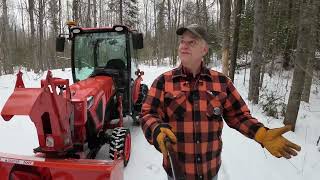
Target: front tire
x: 120, y: 144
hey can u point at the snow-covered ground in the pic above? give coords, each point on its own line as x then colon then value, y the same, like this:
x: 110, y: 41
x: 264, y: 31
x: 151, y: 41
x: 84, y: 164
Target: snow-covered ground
x: 242, y: 158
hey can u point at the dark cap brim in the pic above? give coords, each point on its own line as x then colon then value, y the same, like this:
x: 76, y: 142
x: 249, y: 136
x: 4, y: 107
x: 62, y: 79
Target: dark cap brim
x: 182, y: 30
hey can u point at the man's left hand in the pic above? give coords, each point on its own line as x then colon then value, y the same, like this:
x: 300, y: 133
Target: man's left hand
x: 275, y: 143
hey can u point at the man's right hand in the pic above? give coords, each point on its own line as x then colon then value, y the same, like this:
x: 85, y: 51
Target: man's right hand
x: 161, y: 133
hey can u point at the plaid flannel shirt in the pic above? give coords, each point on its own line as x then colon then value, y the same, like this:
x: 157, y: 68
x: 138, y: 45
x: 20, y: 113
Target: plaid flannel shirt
x: 194, y: 109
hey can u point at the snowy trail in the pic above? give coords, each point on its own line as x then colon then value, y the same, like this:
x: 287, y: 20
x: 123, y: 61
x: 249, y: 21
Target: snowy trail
x: 145, y: 161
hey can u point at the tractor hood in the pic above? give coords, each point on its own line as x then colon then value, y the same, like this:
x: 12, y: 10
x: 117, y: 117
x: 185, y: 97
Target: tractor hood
x: 92, y: 86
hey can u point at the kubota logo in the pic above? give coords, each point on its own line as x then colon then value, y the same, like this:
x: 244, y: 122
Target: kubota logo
x: 16, y: 161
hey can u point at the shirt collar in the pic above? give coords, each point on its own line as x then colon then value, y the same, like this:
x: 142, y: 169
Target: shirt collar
x: 182, y: 72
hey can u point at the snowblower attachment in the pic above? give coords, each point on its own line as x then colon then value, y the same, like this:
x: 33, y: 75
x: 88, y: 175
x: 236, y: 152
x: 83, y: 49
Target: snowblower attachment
x: 50, y: 109
x: 14, y: 167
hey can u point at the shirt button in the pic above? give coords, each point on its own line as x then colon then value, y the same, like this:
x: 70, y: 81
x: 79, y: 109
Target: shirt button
x: 200, y: 177
x: 195, y: 97
x: 198, y: 141
x: 197, y: 123
x: 198, y: 159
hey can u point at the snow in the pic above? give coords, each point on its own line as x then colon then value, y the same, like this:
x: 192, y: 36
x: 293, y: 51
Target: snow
x: 242, y: 158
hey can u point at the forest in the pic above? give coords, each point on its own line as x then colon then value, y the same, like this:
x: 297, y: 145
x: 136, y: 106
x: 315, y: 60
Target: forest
x: 264, y: 36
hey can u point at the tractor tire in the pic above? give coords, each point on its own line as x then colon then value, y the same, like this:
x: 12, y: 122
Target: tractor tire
x: 137, y: 106
x: 120, y: 144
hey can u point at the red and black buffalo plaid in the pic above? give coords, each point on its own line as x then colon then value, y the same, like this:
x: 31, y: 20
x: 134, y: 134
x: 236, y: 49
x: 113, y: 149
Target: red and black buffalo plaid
x: 194, y: 108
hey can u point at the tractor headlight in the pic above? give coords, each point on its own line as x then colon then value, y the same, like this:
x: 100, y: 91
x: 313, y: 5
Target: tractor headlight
x: 118, y: 28
x: 90, y: 101
x: 49, y: 141
x: 75, y: 30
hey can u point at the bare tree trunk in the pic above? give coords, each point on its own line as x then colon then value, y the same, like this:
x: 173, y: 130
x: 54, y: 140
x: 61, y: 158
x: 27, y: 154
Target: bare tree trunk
x: 273, y: 49
x: 303, y: 49
x: 146, y: 3
x: 55, y: 26
x: 198, y: 16
x: 54, y: 11
x: 6, y: 51
x: 68, y: 13
x: 60, y: 15
x: 33, y: 37
x: 237, y: 18
x: 95, y: 13
x: 42, y: 61
x: 177, y: 15
x: 169, y: 33
x: 88, y: 18
x: 75, y: 11
x: 226, y: 36
x: 121, y: 11
x: 22, y: 18
x: 205, y: 14
x: 82, y: 15
x: 311, y: 56
x: 289, y: 41
x: 100, y: 13
x: 155, y: 15
x: 257, y: 50
x: 308, y: 77
x: 204, y: 23
x: 160, y: 31
x: 218, y: 15
x: 219, y: 23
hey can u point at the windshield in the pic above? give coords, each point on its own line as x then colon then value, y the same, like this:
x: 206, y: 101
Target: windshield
x: 98, y: 50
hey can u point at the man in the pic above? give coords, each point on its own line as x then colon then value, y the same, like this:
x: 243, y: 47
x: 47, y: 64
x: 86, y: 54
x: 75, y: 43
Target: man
x: 187, y: 105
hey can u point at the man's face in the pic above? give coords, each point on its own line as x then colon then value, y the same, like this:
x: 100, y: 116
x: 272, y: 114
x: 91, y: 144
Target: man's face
x: 191, y: 50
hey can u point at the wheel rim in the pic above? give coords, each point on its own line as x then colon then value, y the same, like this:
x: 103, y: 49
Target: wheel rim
x: 127, y: 147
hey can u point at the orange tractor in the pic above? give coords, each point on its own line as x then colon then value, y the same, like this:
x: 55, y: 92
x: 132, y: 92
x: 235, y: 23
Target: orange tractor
x: 74, y: 122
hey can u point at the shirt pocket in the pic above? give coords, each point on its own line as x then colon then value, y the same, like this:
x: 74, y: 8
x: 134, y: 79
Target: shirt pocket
x: 175, y: 105
x: 215, y: 113
x: 214, y: 106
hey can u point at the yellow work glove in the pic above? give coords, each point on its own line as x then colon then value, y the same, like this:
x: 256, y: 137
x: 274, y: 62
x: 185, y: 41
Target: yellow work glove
x: 275, y: 143
x: 161, y: 133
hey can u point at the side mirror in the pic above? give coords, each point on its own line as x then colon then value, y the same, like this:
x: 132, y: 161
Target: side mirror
x: 60, y: 41
x: 137, y: 39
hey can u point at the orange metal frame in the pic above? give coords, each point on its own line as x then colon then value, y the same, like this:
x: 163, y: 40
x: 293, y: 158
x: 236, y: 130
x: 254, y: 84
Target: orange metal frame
x: 36, y: 168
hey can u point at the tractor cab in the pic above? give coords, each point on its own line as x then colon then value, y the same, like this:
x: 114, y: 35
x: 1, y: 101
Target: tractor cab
x: 104, y: 52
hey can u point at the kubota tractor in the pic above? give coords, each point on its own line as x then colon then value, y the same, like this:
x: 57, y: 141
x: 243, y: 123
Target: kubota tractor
x: 74, y: 122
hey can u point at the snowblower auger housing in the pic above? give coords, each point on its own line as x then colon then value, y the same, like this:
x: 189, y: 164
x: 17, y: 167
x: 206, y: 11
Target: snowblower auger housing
x: 74, y: 122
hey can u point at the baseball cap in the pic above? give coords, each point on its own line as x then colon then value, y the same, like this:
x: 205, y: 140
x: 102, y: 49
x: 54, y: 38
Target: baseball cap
x: 195, y: 29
